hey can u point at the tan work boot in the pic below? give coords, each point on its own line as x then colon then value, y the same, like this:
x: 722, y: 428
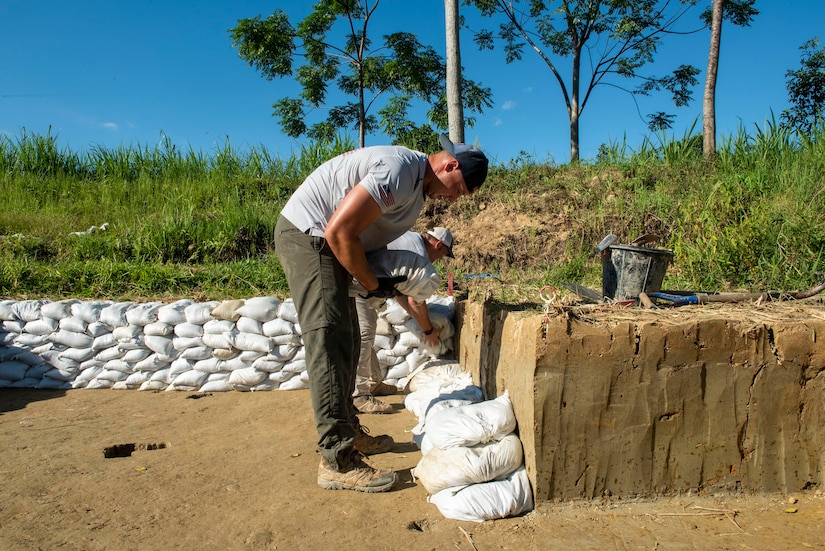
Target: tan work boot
x: 371, y: 445
x: 368, y: 404
x: 383, y: 389
x: 356, y: 476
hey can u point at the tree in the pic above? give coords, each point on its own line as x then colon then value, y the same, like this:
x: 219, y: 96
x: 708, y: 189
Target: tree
x: 740, y: 12
x: 806, y: 89
x: 336, y: 47
x: 455, y: 110
x: 617, y: 37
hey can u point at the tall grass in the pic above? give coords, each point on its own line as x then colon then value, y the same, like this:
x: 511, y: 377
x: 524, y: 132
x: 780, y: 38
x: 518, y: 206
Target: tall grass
x: 185, y: 222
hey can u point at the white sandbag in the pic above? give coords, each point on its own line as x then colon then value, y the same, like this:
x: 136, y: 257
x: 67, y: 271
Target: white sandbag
x: 218, y: 385
x: 160, y: 345
x: 38, y: 371
x: 383, y: 342
x: 28, y: 310
x: 397, y: 371
x: 504, y: 498
x: 135, y: 380
x: 7, y: 312
x: 153, y: 385
x: 71, y: 339
x: 72, y: 323
x: 199, y: 312
x: 58, y: 309
x: 278, y: 326
x: 295, y: 366
x: 251, y: 341
x: 218, y: 340
x: 460, y: 466
x: 209, y: 365
x: 117, y: 365
x: 27, y: 340
x: 109, y: 353
x: 143, y: 314
x: 472, y: 424
x: 246, y: 377
x: 13, y: 370
x: 98, y: 328
x: 173, y: 313
x: 196, y: 353
x: 114, y: 315
x: 86, y: 375
x: 394, y: 314
x: 14, y: 326
x: 249, y: 356
x: 188, y: 330
x: 287, y: 311
x: 161, y: 375
x: 235, y: 363
x: 158, y: 329
x: 89, y: 311
x: 127, y: 332
x: 265, y: 386
x: 131, y: 344
x: 52, y: 384
x: 42, y: 326
x: 111, y: 375
x: 11, y: 352
x: 293, y: 383
x: 100, y: 384
x: 188, y: 380
x: 282, y: 352
x: 217, y: 327
x: 262, y: 309
x: 265, y: 364
x: 249, y: 325
x: 227, y: 310
x: 77, y: 354
x: 134, y: 356
x: 183, y: 343
x: 438, y: 374
x: 151, y: 363
x: 387, y: 359
x: 179, y: 366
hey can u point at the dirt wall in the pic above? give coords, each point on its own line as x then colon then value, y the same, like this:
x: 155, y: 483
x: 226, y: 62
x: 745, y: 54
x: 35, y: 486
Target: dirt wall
x: 642, y: 403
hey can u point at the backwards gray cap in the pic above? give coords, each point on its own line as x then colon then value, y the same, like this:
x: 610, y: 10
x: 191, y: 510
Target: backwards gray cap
x: 472, y: 162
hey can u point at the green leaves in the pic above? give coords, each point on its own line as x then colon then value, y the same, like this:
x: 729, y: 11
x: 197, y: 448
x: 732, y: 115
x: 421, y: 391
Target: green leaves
x: 335, y: 44
x: 806, y: 89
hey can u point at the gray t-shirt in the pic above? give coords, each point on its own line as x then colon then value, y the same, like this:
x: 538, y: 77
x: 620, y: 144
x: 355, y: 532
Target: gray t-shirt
x: 410, y: 241
x: 393, y: 176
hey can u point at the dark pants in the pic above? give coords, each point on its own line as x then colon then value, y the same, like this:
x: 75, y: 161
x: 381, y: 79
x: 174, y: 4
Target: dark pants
x: 319, y: 286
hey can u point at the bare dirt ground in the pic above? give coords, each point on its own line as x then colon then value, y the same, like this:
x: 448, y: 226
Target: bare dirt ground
x: 237, y: 471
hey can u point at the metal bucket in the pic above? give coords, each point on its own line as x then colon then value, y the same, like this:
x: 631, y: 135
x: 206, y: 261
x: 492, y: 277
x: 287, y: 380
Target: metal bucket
x: 628, y: 270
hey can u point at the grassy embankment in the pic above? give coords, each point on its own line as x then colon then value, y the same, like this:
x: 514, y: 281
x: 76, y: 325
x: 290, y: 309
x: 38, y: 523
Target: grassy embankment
x: 189, y: 224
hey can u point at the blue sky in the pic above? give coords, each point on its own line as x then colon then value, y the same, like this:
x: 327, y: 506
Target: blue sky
x: 111, y: 73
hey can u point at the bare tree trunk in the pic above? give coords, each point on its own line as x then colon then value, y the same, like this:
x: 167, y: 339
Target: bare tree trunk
x: 709, y: 105
x: 455, y: 109
x: 573, y: 108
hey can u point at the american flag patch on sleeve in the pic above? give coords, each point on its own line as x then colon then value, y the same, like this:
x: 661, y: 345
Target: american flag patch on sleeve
x: 386, y: 195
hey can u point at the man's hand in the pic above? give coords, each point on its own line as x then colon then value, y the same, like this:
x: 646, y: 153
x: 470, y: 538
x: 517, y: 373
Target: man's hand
x: 386, y: 287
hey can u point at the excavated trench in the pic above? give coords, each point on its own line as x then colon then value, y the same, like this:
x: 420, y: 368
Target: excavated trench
x: 641, y: 403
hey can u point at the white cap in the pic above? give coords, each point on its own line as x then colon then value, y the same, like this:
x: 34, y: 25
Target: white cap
x: 445, y: 236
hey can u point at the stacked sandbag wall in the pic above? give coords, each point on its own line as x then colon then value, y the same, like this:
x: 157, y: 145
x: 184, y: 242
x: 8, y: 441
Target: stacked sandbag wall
x: 250, y: 344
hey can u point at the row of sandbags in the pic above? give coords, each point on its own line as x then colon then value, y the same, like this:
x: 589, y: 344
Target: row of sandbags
x: 246, y: 344
x: 472, y: 463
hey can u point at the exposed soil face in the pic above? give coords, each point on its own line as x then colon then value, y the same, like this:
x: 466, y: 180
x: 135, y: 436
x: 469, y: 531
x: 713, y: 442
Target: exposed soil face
x: 237, y: 471
x: 498, y: 236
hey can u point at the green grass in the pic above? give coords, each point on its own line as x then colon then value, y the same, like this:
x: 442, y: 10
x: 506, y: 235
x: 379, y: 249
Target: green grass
x: 187, y: 223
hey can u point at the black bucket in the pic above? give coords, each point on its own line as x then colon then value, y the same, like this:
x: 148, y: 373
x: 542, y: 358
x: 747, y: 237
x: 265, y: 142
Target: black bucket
x: 628, y: 271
